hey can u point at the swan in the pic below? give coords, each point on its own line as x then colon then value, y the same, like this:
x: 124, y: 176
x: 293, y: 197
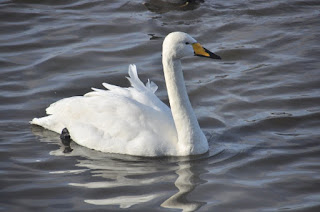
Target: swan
x: 134, y: 120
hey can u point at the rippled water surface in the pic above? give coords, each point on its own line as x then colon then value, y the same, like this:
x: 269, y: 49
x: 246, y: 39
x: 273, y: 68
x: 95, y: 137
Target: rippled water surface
x: 259, y: 106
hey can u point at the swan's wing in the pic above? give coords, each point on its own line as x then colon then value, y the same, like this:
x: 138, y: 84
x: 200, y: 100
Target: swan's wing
x: 119, y: 120
x: 144, y: 94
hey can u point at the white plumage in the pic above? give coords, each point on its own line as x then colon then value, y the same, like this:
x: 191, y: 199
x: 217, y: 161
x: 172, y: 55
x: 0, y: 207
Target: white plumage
x: 134, y: 120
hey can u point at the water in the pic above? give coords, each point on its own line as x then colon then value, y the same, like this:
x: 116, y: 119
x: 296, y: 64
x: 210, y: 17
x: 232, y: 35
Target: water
x: 259, y: 106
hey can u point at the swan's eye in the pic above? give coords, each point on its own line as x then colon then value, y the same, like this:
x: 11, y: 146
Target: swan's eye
x: 187, y: 43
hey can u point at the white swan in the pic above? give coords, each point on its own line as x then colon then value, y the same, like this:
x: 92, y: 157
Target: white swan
x: 134, y: 120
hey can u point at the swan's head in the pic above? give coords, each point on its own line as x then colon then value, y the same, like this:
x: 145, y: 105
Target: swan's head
x: 179, y: 44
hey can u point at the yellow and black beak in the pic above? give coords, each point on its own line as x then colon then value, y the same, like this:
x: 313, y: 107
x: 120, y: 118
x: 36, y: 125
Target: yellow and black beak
x: 203, y: 52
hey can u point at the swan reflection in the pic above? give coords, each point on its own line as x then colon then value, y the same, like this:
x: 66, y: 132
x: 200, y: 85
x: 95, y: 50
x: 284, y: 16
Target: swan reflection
x: 186, y: 182
x: 131, y: 181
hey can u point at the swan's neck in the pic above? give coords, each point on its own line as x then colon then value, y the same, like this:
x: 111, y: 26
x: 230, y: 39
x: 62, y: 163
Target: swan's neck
x: 191, y: 139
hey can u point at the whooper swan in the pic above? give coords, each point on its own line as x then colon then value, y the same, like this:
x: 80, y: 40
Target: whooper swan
x: 134, y: 120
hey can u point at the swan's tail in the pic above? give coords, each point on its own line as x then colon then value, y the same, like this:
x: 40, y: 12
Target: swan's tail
x: 48, y: 122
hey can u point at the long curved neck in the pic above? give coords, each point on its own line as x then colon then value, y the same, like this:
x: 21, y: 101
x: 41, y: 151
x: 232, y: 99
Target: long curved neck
x: 191, y: 139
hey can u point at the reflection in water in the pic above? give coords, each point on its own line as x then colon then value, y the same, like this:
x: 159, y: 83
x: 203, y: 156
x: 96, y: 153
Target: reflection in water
x: 123, y: 201
x: 186, y: 183
x: 128, y: 174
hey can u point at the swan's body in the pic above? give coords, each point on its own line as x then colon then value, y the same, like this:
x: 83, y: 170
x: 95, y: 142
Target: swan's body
x: 134, y: 120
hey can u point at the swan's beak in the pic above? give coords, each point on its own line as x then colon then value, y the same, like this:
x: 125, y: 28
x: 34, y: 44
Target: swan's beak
x: 203, y: 52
